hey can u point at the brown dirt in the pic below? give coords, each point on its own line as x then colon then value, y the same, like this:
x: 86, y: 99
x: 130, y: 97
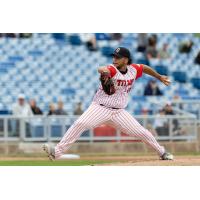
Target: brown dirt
x: 21, y: 158
x: 154, y: 161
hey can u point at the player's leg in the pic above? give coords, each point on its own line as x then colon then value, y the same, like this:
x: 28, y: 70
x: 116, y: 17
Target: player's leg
x: 92, y: 117
x: 128, y: 124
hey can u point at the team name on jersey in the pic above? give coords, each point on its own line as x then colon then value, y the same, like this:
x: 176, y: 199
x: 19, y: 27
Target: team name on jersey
x: 124, y: 82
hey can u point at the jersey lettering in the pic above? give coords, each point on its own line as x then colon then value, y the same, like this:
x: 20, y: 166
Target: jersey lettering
x: 124, y: 82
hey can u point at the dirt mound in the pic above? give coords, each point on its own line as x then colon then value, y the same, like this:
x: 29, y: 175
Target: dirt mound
x: 152, y: 161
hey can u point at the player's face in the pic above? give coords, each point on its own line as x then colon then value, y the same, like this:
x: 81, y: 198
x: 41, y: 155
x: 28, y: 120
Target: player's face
x: 119, y: 62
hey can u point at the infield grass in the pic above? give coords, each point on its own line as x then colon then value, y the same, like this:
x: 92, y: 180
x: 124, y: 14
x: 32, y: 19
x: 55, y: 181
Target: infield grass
x: 52, y: 163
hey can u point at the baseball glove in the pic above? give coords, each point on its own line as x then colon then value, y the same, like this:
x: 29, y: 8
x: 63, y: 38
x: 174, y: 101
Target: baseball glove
x: 107, y: 83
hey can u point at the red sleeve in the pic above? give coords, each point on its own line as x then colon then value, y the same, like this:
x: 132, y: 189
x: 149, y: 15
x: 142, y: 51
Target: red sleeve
x: 112, y: 70
x: 139, y: 69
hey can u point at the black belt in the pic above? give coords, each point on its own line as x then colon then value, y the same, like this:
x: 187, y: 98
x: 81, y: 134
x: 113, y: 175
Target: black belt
x: 109, y: 107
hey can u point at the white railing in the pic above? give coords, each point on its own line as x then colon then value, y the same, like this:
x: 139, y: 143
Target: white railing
x: 43, y: 128
x: 193, y: 104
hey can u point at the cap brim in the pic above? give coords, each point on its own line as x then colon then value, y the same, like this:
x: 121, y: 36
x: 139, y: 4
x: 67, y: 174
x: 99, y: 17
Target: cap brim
x: 117, y: 55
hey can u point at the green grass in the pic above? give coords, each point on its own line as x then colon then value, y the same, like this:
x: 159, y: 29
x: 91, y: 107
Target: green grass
x: 52, y: 163
x: 197, y: 34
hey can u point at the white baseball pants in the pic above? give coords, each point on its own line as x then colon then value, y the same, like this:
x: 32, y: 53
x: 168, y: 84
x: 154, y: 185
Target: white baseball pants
x: 96, y: 115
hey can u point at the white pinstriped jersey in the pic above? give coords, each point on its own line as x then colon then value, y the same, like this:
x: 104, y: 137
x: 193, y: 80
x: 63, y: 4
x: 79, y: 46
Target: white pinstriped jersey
x: 96, y: 114
x: 123, y: 84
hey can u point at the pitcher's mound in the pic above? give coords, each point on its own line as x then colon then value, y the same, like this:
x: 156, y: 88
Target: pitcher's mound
x: 153, y: 161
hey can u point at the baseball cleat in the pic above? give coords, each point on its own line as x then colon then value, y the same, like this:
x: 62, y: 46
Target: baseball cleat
x: 50, y: 151
x: 167, y: 156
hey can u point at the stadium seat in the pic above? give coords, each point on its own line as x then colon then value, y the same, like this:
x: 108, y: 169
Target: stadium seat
x: 56, y: 130
x: 196, y: 82
x: 107, y: 51
x: 35, y: 53
x: 5, y: 112
x: 102, y: 36
x: 37, y: 131
x: 7, y: 65
x: 139, y: 98
x: 180, y: 76
x: 15, y: 58
x: 161, y: 69
x: 75, y: 40
x: 182, y: 92
x: 154, y: 62
x: 68, y: 91
x: 142, y: 61
x: 137, y: 111
x: 85, y: 134
x: 3, y: 70
x: 59, y: 36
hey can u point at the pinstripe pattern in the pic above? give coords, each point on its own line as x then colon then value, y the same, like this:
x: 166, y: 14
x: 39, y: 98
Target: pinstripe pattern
x: 128, y: 124
x: 96, y: 115
x: 93, y: 116
x: 120, y: 98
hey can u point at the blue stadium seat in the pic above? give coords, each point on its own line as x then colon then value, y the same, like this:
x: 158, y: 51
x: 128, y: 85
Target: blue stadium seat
x: 142, y: 61
x: 137, y: 111
x: 3, y: 70
x: 154, y: 62
x: 35, y: 53
x: 107, y: 51
x: 102, y: 36
x: 5, y: 112
x: 182, y: 92
x: 180, y: 76
x: 75, y: 40
x: 85, y: 134
x: 196, y: 82
x: 68, y: 91
x: 59, y: 36
x: 191, y: 97
x: 56, y: 130
x: 161, y: 69
x: 7, y: 65
x: 139, y: 98
x: 15, y: 58
x: 37, y: 131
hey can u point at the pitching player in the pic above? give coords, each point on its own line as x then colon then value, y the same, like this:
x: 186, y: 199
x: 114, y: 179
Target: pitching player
x: 109, y: 104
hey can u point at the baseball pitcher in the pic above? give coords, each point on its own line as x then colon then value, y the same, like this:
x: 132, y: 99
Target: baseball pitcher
x: 109, y: 103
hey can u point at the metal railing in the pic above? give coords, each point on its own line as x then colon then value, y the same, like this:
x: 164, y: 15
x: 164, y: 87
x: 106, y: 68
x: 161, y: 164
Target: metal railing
x: 192, y: 106
x: 52, y: 128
